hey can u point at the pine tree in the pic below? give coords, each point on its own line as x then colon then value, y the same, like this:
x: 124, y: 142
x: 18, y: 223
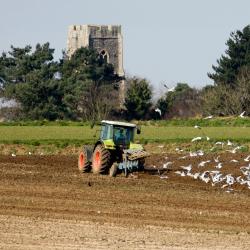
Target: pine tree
x: 237, y: 56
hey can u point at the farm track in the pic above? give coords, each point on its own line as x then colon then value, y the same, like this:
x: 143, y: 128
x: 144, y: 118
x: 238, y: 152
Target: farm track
x: 46, y: 203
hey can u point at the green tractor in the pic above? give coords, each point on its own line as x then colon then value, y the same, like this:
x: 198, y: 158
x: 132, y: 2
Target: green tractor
x: 114, y: 151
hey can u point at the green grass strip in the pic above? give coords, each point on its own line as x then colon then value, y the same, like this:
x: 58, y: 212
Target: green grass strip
x: 84, y: 134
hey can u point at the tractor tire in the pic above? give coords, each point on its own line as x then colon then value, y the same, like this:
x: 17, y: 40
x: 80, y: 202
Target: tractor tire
x: 101, y: 160
x: 83, y: 163
x: 113, y: 170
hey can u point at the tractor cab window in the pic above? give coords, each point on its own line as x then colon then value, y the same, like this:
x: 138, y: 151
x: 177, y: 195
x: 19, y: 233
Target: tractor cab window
x: 106, y: 132
x: 123, y: 135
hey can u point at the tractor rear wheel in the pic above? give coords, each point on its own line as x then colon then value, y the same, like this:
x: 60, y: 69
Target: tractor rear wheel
x: 83, y: 163
x: 101, y: 160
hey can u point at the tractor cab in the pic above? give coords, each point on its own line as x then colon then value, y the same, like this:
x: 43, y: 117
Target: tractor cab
x: 121, y: 134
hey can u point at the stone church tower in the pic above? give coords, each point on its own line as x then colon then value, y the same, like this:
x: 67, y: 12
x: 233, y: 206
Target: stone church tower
x: 106, y: 39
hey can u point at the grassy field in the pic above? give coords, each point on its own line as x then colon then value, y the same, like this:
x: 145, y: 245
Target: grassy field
x: 84, y: 134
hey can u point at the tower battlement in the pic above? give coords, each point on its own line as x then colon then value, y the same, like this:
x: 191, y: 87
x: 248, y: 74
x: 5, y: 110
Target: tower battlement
x: 106, y: 39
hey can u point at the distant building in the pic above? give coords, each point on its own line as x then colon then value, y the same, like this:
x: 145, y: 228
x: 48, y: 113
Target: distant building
x: 106, y: 39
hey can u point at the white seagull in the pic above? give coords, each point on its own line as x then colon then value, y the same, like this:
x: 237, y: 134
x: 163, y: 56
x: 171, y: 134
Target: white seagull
x: 247, y: 158
x: 171, y: 89
x: 166, y: 165
x: 187, y: 168
x: 193, y: 154
x: 196, y: 139
x: 208, y: 117
x: 233, y: 151
x: 196, y: 126
x: 196, y: 175
x: 216, y: 177
x: 205, y: 176
x: 181, y: 173
x: 13, y: 155
x: 242, y: 114
x: 217, y: 159
x: 163, y: 177
x: 183, y: 157
x: 219, y: 165
x: 219, y: 143
x: 202, y: 164
x: 229, y: 179
x: 200, y: 152
x: 158, y: 111
x: 233, y: 160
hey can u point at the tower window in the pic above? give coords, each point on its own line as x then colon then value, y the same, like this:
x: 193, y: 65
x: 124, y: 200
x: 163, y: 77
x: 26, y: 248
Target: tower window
x: 104, y: 55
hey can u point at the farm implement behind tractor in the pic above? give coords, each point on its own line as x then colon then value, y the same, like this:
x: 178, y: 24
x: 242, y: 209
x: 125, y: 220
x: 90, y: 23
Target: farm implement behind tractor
x: 114, y: 151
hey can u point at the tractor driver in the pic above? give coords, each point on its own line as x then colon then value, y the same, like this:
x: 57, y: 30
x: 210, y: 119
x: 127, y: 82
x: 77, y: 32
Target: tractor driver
x: 120, y: 136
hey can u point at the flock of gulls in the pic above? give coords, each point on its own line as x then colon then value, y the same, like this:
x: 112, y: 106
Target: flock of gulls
x: 212, y: 171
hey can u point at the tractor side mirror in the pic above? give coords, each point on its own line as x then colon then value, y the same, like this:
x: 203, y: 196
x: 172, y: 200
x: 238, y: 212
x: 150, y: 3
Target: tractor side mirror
x: 138, y: 130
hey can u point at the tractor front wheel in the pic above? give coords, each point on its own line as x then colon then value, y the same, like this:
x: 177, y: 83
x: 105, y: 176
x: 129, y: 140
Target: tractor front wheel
x: 101, y: 160
x: 113, y: 169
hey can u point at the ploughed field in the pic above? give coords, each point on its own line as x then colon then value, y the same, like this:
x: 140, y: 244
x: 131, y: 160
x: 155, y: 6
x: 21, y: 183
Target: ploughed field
x: 45, y: 203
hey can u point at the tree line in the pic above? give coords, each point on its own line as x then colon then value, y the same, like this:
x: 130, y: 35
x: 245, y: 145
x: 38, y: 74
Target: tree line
x: 85, y: 86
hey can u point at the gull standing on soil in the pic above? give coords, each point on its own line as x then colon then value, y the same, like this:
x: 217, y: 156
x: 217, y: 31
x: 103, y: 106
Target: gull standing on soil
x: 163, y: 177
x: 202, y: 164
x: 219, y: 165
x: 247, y: 158
x: 179, y: 150
x: 193, y: 154
x: 196, y: 175
x: 229, y: 179
x: 181, y: 173
x: 240, y: 180
x: 217, y: 159
x: 219, y: 143
x: 245, y: 170
x: 233, y: 160
x: 187, y: 168
x: 225, y: 185
x: 13, y: 155
x: 166, y: 165
x: 205, y: 176
x: 183, y: 157
x: 233, y: 151
x: 216, y: 177
x: 200, y: 153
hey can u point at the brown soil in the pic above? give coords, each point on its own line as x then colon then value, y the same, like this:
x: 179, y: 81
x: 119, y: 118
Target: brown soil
x: 46, y: 204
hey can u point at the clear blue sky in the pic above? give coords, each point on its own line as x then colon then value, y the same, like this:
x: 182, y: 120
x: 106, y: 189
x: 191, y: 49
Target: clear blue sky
x: 164, y: 40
